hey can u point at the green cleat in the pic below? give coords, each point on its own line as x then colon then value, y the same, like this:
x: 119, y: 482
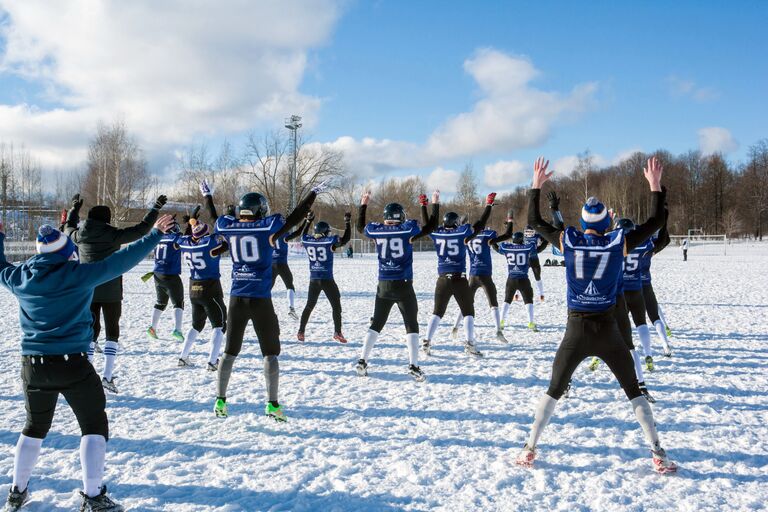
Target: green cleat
x: 532, y: 326
x: 220, y: 408
x: 276, y: 413
x: 177, y: 335
x: 649, y: 363
x: 594, y: 364
x: 669, y: 332
x: 152, y: 333
x: 503, y: 324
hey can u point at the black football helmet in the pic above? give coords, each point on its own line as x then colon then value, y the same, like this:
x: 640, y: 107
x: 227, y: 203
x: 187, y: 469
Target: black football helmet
x: 518, y: 237
x: 253, y: 206
x: 322, y: 228
x: 451, y: 220
x: 394, y: 212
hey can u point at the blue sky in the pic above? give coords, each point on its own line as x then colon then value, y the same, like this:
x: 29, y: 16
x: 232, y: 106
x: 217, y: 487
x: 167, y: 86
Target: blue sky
x: 611, y: 76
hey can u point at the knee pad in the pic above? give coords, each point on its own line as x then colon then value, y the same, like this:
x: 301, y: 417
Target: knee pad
x: 97, y: 426
x: 37, y: 431
x: 161, y: 307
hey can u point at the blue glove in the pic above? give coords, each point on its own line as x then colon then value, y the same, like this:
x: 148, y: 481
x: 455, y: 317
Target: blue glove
x: 205, y: 189
x: 321, y: 187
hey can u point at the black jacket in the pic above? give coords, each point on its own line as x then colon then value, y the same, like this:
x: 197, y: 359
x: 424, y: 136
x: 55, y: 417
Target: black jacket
x: 96, y: 240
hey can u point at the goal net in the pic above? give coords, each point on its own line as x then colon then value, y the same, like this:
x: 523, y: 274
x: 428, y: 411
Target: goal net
x: 703, y: 245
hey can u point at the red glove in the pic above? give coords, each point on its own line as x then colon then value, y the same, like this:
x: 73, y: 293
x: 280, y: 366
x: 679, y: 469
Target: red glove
x: 490, y: 198
x: 423, y: 201
x: 63, y: 217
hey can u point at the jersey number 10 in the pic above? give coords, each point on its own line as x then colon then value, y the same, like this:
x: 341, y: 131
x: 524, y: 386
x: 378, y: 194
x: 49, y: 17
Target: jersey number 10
x: 244, y: 249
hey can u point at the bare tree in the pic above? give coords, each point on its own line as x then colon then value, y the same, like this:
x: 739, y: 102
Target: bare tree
x: 467, y: 199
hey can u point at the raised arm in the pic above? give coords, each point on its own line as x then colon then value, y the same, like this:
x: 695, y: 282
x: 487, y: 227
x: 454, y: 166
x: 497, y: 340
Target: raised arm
x: 205, y: 189
x: 431, y: 223
x: 361, y: 211
x: 652, y: 172
x: 554, y: 208
x: 347, y: 231
x: 221, y: 248
x: 479, y: 226
x: 73, y: 218
x: 542, y: 227
x: 508, y: 229
x: 133, y: 233
x: 663, y: 239
x: 543, y: 246
x: 303, y: 227
x: 5, y: 266
x: 299, y: 212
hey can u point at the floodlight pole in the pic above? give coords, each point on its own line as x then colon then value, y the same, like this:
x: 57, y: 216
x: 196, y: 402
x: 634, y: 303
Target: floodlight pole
x: 293, y: 123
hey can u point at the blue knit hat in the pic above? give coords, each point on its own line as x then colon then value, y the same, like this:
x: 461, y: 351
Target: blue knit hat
x: 594, y: 215
x: 51, y: 240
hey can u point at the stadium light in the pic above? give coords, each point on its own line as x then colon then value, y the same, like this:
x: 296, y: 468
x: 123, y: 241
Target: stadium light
x: 293, y: 123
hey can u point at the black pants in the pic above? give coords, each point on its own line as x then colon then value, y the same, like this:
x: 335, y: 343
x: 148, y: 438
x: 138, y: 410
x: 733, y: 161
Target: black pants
x: 487, y: 284
x: 284, y: 271
x: 169, y: 286
x: 261, y: 313
x: 622, y: 321
x: 112, y: 312
x: 331, y: 291
x: 593, y: 335
x: 207, y: 300
x: 44, y: 378
x: 401, y: 293
x: 651, y: 305
x: 636, y: 306
x: 685, y: 254
x: 536, y: 267
x: 521, y: 284
x: 456, y: 286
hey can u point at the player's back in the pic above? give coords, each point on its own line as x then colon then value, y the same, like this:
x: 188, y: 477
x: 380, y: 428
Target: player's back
x: 593, y: 265
x: 533, y: 238
x: 168, y: 256
x: 518, y: 258
x: 199, y: 257
x: 479, y: 250
x: 394, y: 248
x: 280, y: 251
x: 634, y: 264
x: 451, y: 249
x: 320, y: 255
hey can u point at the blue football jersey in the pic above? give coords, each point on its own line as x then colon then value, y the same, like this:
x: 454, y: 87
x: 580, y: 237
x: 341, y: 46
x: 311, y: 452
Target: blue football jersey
x: 168, y: 256
x: 280, y: 251
x: 645, y: 263
x: 532, y: 237
x: 251, y: 253
x: 593, y: 264
x: 320, y: 255
x: 394, y: 248
x: 202, y: 264
x: 518, y: 258
x: 479, y: 250
x: 451, y: 249
x: 634, y: 263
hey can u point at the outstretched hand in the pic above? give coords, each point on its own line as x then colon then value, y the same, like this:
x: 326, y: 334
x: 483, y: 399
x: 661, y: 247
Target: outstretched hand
x: 554, y: 201
x: 310, y: 216
x: 160, y: 202
x: 540, y: 174
x: 77, y: 202
x: 347, y: 217
x: 321, y: 187
x: 165, y: 223
x: 436, y: 197
x: 490, y: 198
x: 653, y: 172
x: 423, y: 199
x: 365, y: 198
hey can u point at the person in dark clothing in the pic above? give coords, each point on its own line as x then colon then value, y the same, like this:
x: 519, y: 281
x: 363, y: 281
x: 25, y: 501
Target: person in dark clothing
x: 96, y: 240
x: 594, y: 261
x: 54, y: 291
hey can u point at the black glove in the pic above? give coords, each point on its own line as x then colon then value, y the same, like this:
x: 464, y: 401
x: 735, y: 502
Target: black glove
x: 161, y: 200
x: 229, y: 211
x: 347, y: 217
x: 77, y: 203
x: 196, y: 212
x: 554, y: 201
x: 664, y: 194
x: 185, y: 219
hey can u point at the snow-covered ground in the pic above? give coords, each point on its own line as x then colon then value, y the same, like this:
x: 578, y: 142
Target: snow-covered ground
x: 389, y: 443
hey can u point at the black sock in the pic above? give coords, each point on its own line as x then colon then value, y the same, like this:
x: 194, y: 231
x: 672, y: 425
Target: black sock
x: 274, y: 403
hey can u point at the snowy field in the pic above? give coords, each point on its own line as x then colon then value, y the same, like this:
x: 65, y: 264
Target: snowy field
x: 388, y: 443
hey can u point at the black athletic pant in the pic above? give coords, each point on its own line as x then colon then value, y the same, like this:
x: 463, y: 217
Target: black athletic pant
x: 536, y: 267
x: 207, y: 300
x: 685, y: 254
x: 651, y: 305
x: 331, y: 291
x: 261, y: 313
x: 521, y: 284
x: 284, y: 271
x: 456, y: 286
x: 622, y: 321
x: 45, y: 377
x: 487, y: 284
x: 636, y: 306
x: 401, y: 293
x: 112, y: 312
x: 593, y: 335
x: 169, y: 286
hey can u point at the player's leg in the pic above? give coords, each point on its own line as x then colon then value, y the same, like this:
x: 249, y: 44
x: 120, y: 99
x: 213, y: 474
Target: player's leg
x: 332, y: 293
x: 474, y: 284
x: 96, y: 326
x: 652, y: 308
x: 112, y: 312
x: 465, y: 299
x: 527, y: 292
x: 381, y: 308
x: 176, y: 294
x: 198, y: 324
x: 536, y: 267
x: 489, y: 287
x: 409, y: 309
x: 238, y: 316
x: 312, y: 294
x: 625, y: 329
x: 443, y: 295
x: 216, y: 311
x: 636, y: 306
x: 267, y: 327
x: 161, y: 302
x: 287, y: 276
x: 509, y: 295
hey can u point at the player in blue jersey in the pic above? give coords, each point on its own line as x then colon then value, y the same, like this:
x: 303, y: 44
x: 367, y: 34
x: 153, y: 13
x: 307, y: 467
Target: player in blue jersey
x: 481, y: 272
x: 320, y: 247
x: 539, y: 244
x: 518, y: 254
x: 451, y: 239
x: 201, y: 252
x: 655, y: 313
x: 251, y: 238
x: 394, y: 246
x: 594, y: 259
x: 167, y: 277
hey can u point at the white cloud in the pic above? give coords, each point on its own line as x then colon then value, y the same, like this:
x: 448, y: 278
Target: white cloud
x: 444, y: 180
x: 171, y: 69
x: 715, y: 139
x: 506, y: 174
x: 682, y: 87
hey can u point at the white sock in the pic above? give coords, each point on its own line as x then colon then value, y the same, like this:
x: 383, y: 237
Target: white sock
x: 27, y: 451
x: 505, y: 312
x: 662, y: 334
x: 412, y: 340
x: 661, y: 314
x: 645, y: 338
x: 110, y: 352
x: 540, y: 287
x: 156, y: 314
x: 544, y: 410
x: 291, y: 294
x: 370, y: 341
x: 496, y: 318
x: 459, y: 320
x: 178, y: 316
x: 192, y: 335
x: 638, y: 366
x: 469, y: 329
x: 218, y: 336
x: 93, y: 449
x: 91, y: 350
x: 529, y: 307
x: 644, y: 415
x: 434, y: 323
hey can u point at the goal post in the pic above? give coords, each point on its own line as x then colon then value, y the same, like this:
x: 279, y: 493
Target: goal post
x: 700, y: 243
